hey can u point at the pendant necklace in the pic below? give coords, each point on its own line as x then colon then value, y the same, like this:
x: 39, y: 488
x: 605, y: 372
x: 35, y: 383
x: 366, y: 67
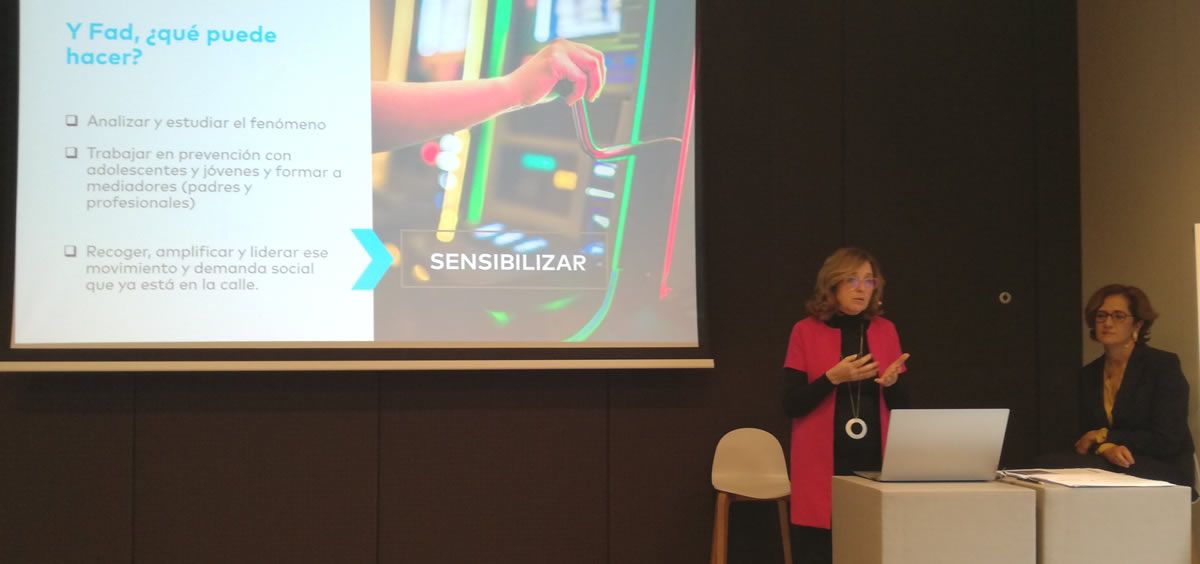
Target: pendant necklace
x: 856, y: 400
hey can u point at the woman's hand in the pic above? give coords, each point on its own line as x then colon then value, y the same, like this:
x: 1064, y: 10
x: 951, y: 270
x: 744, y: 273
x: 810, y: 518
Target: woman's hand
x: 892, y: 373
x: 1119, y: 455
x: 852, y: 369
x: 1086, y: 442
x: 579, y: 65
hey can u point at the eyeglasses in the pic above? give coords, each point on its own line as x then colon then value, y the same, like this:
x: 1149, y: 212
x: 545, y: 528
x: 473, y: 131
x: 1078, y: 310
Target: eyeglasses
x: 1117, y: 316
x: 853, y: 282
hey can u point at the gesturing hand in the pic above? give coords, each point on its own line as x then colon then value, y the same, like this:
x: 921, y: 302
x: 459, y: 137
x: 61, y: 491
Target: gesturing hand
x: 892, y: 373
x: 852, y: 369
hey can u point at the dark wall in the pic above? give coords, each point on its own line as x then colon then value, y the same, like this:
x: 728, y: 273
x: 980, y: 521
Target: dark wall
x: 941, y: 135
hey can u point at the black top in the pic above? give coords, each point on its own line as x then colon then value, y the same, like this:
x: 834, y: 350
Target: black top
x: 801, y: 397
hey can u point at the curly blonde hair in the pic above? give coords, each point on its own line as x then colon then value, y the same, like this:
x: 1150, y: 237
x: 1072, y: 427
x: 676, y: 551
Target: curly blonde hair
x: 838, y: 267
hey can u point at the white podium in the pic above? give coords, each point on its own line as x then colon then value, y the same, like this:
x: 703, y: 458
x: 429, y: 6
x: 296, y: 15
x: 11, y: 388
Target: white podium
x: 1112, y: 525
x: 932, y: 522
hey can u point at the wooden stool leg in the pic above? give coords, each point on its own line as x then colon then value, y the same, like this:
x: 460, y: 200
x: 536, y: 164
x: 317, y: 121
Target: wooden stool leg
x: 720, y: 542
x: 785, y: 530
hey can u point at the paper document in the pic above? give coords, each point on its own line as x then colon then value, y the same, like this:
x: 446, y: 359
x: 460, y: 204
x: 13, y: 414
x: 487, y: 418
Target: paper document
x: 1081, y: 478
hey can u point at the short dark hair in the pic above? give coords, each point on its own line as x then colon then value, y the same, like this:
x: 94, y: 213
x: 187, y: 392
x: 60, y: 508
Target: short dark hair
x: 840, y: 265
x: 1139, y: 306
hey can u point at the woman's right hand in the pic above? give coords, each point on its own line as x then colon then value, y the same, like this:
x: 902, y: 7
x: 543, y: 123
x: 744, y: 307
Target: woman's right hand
x: 1119, y: 455
x: 580, y: 66
x: 852, y: 369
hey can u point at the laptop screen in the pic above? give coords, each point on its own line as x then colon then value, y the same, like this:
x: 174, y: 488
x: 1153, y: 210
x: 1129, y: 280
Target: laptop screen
x: 943, y: 444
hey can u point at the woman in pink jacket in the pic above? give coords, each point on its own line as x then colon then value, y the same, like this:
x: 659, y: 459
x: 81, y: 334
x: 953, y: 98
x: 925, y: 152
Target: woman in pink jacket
x: 841, y: 378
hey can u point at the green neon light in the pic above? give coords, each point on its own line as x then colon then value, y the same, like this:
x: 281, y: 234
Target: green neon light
x: 534, y: 161
x: 501, y: 24
x: 483, y: 161
x: 558, y: 304
x: 500, y: 317
x: 639, y: 105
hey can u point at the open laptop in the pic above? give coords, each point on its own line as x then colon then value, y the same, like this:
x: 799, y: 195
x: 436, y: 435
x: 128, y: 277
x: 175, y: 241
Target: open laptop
x: 942, y: 445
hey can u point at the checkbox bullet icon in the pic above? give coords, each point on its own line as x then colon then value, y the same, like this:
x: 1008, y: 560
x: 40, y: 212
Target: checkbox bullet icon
x: 72, y: 120
x: 69, y: 251
x: 72, y: 152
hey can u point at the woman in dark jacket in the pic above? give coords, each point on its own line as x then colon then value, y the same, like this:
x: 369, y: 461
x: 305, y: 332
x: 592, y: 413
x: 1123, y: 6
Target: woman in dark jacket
x: 1133, y: 400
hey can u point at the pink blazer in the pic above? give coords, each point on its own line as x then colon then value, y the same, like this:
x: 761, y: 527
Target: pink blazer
x: 814, y: 348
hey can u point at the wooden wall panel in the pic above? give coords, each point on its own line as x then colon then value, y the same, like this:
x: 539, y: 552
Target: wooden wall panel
x: 941, y: 146
x: 1059, y: 223
x: 494, y: 467
x: 66, y: 458
x: 256, y: 468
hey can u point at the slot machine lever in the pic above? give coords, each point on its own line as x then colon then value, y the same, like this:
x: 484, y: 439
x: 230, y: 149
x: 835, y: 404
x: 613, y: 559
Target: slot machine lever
x: 583, y: 132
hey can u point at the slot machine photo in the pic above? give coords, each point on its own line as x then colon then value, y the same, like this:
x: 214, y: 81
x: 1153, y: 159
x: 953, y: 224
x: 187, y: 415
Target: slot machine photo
x: 549, y: 223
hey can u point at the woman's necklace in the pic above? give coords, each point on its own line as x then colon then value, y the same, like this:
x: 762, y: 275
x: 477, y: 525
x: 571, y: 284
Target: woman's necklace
x: 856, y: 400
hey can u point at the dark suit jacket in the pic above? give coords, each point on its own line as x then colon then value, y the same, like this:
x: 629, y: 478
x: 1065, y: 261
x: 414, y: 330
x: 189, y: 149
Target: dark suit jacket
x: 1150, y: 414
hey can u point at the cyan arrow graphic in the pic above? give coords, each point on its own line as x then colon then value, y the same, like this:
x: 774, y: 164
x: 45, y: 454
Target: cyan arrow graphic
x: 381, y: 259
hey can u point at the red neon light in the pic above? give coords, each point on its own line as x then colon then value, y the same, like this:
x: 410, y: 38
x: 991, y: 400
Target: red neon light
x: 663, y: 289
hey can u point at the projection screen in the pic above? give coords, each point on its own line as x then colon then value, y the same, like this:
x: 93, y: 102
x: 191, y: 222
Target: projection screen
x: 418, y: 180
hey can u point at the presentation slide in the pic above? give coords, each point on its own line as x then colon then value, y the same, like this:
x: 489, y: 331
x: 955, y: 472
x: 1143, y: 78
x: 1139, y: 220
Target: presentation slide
x: 400, y: 173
